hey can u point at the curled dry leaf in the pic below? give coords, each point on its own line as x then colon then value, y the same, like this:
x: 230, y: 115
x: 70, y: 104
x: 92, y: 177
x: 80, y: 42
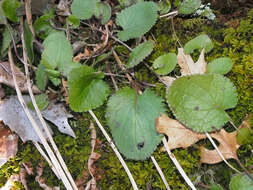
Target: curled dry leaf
x: 41, y: 180
x: 6, y: 78
x: 13, y: 115
x: 181, y: 137
x: 187, y: 65
x: 168, y: 80
x: 8, y: 145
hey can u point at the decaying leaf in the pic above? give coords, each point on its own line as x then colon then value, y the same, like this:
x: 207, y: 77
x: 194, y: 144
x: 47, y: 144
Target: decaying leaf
x: 41, y: 180
x: 179, y: 136
x: 13, y: 115
x: 228, y: 147
x: 168, y: 80
x: 8, y: 145
x: 6, y: 77
x: 188, y: 67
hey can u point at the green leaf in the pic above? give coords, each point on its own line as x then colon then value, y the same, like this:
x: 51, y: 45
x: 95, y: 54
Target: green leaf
x: 104, y: 11
x: 164, y: 64
x: 57, y: 53
x: 139, y: 53
x: 6, y: 41
x: 73, y: 21
x: 200, y: 42
x: 244, y: 136
x: 41, y: 100
x: 41, y: 77
x: 86, y: 89
x: 83, y: 9
x: 28, y: 37
x: 127, y: 3
x: 55, y: 80
x: 136, y: 20
x: 9, y: 8
x: 241, y: 182
x: 220, y: 65
x: 164, y: 6
x: 215, y: 187
x: 42, y: 25
x: 131, y: 118
x: 2, y: 17
x: 189, y: 6
x: 200, y: 101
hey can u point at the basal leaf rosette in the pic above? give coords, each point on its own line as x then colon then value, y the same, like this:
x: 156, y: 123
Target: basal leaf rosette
x: 87, y: 90
x: 131, y: 118
x: 200, y: 101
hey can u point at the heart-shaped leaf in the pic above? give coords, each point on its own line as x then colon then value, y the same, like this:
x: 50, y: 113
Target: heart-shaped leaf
x: 131, y: 118
x: 220, y: 65
x: 136, y: 20
x: 200, y: 42
x: 86, y: 89
x: 164, y: 64
x: 139, y: 53
x: 9, y: 9
x: 200, y: 101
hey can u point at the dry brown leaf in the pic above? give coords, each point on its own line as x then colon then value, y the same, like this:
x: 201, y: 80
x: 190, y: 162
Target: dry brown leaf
x: 86, y: 54
x: 6, y: 78
x: 41, y: 180
x: 179, y: 136
x: 23, y: 175
x: 228, y: 147
x: 8, y: 145
x: 188, y: 67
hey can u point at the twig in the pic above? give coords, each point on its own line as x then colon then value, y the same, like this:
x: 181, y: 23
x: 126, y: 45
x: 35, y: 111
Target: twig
x: 160, y: 172
x: 178, y: 166
x: 174, y: 32
x: 36, y: 127
x: 115, y: 150
x: 110, y: 35
x: 43, y: 154
x: 170, y: 14
x: 220, y: 154
x: 43, y: 122
x: 112, y: 78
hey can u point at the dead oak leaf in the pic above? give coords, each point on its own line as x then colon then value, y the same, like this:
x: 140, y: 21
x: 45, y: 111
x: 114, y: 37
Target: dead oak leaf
x: 179, y: 136
x: 7, y: 79
x: 8, y: 145
x: 228, y: 147
x: 187, y: 65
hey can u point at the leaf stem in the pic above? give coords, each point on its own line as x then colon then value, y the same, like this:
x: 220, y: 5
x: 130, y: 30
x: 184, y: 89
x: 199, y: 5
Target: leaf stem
x: 160, y: 172
x: 115, y: 150
x: 178, y: 166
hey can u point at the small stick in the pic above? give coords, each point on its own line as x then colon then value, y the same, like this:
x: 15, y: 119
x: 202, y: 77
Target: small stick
x: 36, y: 127
x: 115, y: 150
x: 112, y: 78
x: 160, y: 172
x: 44, y: 155
x: 173, y: 13
x: 43, y: 122
x: 178, y: 166
x: 220, y: 154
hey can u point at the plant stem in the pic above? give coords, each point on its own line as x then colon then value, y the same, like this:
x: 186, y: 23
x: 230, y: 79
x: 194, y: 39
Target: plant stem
x: 160, y: 172
x: 36, y: 127
x: 43, y: 122
x: 178, y: 166
x: 220, y: 154
x: 115, y: 150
